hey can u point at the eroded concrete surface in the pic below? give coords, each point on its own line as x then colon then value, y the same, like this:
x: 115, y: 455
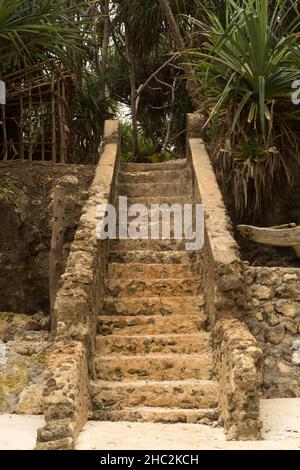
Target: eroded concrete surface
x: 281, y: 431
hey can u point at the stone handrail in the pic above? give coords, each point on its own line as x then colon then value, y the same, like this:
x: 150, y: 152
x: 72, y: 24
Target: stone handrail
x: 237, y: 357
x: 78, y: 303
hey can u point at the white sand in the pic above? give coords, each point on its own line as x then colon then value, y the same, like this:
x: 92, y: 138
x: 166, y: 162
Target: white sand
x: 19, y: 432
x: 281, y: 431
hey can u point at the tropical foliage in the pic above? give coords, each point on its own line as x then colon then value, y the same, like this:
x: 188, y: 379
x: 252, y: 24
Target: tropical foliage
x: 35, y: 30
x: 152, y: 61
x: 247, y: 66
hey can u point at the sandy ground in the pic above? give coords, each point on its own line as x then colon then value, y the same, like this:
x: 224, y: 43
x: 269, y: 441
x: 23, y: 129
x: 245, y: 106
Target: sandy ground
x: 281, y: 432
x: 19, y: 432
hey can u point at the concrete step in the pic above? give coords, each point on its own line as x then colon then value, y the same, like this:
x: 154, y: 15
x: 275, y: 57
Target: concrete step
x: 148, y: 245
x: 164, y: 367
x: 122, y: 325
x: 157, y: 415
x: 161, y: 306
x: 171, y: 165
x: 178, y: 177
x: 151, y: 257
x: 182, y: 394
x: 148, y: 271
x: 153, y: 287
x: 159, y: 189
x: 153, y: 344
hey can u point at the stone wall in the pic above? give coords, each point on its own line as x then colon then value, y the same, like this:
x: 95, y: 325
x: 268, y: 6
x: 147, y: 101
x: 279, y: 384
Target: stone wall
x: 26, y: 193
x: 79, y: 300
x: 24, y: 344
x: 238, y: 359
x: 273, y: 316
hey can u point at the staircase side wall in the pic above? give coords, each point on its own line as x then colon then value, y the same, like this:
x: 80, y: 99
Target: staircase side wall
x: 238, y: 359
x: 273, y: 296
x: 78, y: 302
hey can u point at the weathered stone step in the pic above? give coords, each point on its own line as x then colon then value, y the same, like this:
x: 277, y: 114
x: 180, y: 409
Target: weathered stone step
x: 185, y: 394
x: 149, y: 271
x: 178, y: 177
x: 148, y: 201
x: 171, y: 165
x: 110, y: 325
x: 164, y: 367
x: 159, y: 189
x: 148, y: 245
x: 160, y: 230
x: 153, y: 344
x: 164, y: 306
x: 151, y: 257
x: 157, y: 415
x: 153, y: 287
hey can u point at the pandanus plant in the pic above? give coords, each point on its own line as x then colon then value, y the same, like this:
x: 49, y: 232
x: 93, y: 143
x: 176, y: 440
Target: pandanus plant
x: 31, y: 31
x: 248, y: 64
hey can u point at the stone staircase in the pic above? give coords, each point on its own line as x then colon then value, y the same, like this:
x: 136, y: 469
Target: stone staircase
x: 153, y: 356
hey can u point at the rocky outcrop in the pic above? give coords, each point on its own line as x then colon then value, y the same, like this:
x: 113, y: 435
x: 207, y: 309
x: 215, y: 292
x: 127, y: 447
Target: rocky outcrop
x: 26, y: 194
x: 24, y: 351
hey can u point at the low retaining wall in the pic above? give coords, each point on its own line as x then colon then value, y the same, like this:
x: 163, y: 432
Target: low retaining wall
x: 273, y: 316
x: 78, y: 303
x: 238, y: 358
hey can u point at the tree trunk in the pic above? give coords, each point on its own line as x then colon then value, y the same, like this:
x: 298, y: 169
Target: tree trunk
x: 105, y: 44
x: 179, y: 42
x: 135, y: 142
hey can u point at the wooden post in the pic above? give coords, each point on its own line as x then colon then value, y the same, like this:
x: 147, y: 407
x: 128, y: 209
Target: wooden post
x: 4, y: 132
x: 56, y: 251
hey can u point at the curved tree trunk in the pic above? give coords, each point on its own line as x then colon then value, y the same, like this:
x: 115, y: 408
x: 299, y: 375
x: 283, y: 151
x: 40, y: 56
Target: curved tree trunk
x: 105, y: 45
x: 179, y: 42
x: 106, y: 35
